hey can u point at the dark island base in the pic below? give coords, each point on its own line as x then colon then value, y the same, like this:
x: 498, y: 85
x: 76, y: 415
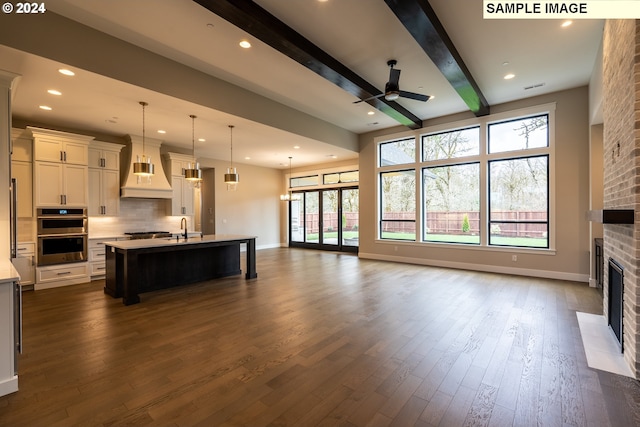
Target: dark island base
x: 131, y: 272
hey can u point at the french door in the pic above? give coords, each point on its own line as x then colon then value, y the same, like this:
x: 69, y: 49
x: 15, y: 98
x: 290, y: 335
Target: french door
x: 325, y: 219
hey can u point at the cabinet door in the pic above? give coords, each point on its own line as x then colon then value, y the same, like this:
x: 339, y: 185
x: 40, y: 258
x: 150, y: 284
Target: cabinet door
x: 76, y: 153
x: 111, y: 191
x: 48, y: 185
x: 76, y: 179
x: 95, y: 186
x: 22, y: 172
x: 111, y: 160
x: 48, y: 150
x: 95, y: 158
x: 187, y: 198
x: 177, y: 184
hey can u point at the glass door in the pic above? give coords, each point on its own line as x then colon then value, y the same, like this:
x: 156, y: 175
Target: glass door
x: 350, y: 216
x: 325, y: 219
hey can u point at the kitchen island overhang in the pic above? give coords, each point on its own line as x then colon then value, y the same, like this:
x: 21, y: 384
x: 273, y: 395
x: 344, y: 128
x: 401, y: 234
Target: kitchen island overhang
x: 138, y: 266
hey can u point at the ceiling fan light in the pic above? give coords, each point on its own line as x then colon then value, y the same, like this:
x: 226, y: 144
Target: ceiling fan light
x: 391, y: 96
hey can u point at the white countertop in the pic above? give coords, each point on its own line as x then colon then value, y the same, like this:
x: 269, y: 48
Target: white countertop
x: 172, y: 241
x: 8, y: 273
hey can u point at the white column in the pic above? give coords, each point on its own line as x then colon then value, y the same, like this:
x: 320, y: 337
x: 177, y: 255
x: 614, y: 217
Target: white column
x: 7, y: 81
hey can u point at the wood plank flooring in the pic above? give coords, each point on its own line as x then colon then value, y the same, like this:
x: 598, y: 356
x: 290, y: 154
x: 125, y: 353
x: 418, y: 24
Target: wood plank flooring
x: 320, y: 339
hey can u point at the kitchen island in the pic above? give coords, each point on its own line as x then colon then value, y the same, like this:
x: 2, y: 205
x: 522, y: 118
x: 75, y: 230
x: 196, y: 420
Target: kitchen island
x: 137, y: 266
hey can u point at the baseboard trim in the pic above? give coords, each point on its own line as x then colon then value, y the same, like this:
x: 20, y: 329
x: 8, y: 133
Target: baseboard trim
x: 545, y: 274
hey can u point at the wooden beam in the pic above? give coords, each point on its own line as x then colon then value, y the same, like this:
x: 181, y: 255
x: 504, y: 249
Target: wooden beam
x: 255, y: 20
x: 421, y: 21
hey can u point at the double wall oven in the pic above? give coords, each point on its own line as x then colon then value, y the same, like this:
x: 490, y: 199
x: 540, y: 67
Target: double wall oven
x: 62, y: 235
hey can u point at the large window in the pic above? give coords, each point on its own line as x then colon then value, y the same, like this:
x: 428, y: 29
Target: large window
x: 485, y: 184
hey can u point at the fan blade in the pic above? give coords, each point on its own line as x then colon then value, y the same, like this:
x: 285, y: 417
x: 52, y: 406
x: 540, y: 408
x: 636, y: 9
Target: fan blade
x: 416, y: 96
x: 369, y: 99
x: 394, y: 76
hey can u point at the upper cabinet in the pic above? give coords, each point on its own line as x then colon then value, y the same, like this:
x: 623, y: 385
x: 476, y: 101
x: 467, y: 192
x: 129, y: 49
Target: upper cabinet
x: 104, y: 155
x: 61, y: 168
x: 183, y: 194
x: 104, y: 179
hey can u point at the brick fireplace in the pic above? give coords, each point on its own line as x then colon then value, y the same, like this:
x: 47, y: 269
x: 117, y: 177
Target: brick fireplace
x: 621, y: 152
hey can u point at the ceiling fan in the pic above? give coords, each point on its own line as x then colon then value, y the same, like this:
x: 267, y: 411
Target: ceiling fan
x: 392, y: 88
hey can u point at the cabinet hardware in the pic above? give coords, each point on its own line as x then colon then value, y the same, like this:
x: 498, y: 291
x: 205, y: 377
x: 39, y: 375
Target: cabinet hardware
x: 62, y: 273
x: 22, y: 249
x: 100, y: 268
x: 65, y: 155
x: 61, y: 156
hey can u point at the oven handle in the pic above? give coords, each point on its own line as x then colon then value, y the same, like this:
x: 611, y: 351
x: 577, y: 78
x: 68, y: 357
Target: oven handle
x: 63, y: 235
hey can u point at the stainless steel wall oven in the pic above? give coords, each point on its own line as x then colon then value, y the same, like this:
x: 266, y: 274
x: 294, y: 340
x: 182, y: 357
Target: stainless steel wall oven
x: 62, y: 235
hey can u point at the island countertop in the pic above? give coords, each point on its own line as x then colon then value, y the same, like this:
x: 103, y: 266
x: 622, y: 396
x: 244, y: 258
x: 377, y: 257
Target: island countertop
x: 172, y: 241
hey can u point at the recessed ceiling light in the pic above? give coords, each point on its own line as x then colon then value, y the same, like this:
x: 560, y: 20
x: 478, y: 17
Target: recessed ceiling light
x: 296, y: 147
x: 505, y: 63
x: 509, y: 76
x: 566, y: 23
x: 247, y: 158
x: 46, y: 107
x: 66, y: 72
x: 162, y: 131
x: 332, y: 156
x: 245, y: 44
x: 201, y: 140
x: 54, y: 92
x: 371, y: 113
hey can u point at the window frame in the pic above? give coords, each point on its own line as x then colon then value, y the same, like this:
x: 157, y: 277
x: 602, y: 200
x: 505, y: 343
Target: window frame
x: 484, y: 157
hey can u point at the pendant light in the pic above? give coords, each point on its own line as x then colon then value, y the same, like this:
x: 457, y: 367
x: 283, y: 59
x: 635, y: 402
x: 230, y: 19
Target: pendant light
x: 289, y: 196
x: 231, y: 178
x: 192, y: 173
x: 143, y: 167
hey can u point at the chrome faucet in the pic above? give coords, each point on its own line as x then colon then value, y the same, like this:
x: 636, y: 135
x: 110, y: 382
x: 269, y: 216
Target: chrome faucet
x: 183, y: 223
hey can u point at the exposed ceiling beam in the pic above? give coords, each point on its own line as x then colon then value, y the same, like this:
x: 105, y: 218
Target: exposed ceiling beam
x: 255, y: 20
x: 421, y: 21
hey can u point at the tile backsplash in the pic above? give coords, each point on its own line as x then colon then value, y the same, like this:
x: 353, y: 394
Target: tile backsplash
x: 137, y: 215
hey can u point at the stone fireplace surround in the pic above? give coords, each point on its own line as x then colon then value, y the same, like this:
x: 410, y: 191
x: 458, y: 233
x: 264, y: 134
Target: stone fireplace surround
x: 621, y: 158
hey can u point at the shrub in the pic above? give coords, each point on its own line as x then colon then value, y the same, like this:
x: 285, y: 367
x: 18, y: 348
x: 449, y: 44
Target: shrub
x: 465, y: 224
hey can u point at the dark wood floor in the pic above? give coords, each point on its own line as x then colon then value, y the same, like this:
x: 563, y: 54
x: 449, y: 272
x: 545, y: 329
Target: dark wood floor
x: 318, y: 339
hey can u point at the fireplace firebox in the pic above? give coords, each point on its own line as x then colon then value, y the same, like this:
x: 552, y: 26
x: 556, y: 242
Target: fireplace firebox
x: 616, y: 295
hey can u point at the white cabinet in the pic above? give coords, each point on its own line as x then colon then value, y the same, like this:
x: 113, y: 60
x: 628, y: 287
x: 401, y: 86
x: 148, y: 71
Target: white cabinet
x: 61, y: 151
x: 22, y: 171
x: 104, y: 179
x: 61, y: 184
x: 182, y: 200
x: 183, y: 193
x: 97, y: 264
x: 61, y: 275
x: 104, y: 155
x: 61, y: 172
x: 25, y: 263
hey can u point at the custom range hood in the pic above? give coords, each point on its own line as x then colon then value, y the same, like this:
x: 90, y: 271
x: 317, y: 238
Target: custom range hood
x: 132, y: 186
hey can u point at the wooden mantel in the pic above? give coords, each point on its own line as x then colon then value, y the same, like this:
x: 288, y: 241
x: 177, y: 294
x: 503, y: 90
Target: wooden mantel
x: 612, y: 216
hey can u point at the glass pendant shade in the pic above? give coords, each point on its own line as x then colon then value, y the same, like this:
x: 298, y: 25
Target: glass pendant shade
x: 231, y: 178
x: 192, y: 173
x: 143, y: 168
x: 289, y: 196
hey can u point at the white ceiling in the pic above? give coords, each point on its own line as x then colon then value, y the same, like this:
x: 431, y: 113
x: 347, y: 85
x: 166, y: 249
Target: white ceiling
x: 362, y: 34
